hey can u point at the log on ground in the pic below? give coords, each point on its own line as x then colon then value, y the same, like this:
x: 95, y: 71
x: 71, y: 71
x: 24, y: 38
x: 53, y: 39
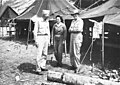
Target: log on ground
x: 76, y: 79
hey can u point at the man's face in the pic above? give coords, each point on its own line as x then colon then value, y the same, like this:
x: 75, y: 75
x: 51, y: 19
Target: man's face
x: 75, y: 16
x: 46, y: 15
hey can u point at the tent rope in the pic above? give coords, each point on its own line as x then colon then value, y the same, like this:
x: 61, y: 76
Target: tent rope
x: 87, y: 51
x: 39, y: 7
x: 92, y: 4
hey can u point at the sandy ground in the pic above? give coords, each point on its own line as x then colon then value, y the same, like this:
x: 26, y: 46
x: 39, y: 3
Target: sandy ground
x: 17, y: 64
x: 15, y: 60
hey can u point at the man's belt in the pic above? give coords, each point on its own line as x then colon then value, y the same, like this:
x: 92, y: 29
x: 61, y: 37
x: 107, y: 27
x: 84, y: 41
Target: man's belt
x: 76, y: 32
x: 41, y: 34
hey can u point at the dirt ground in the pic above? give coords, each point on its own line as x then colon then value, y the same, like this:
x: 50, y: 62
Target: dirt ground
x: 15, y: 60
x: 17, y: 64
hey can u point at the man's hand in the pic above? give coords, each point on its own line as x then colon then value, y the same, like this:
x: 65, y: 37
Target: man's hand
x: 48, y: 44
x: 36, y: 44
x: 63, y: 42
x: 51, y: 43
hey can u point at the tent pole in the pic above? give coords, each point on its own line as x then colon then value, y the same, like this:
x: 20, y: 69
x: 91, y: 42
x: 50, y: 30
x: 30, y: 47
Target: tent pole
x: 1, y: 28
x: 29, y: 29
x: 39, y: 7
x: 14, y: 29
x: 103, y: 46
x: 80, y: 4
x: 2, y: 31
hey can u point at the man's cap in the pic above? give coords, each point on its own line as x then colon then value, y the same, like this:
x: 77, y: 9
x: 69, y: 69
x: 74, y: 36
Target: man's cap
x: 75, y: 12
x: 46, y: 12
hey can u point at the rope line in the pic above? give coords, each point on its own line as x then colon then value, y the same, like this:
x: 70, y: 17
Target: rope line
x: 87, y: 52
x: 39, y: 7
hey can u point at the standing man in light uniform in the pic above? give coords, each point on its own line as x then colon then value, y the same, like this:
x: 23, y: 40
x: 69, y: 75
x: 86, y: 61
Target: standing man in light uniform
x: 76, y: 39
x: 42, y: 39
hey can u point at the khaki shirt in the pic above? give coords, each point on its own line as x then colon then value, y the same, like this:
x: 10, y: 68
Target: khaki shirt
x: 59, y: 30
x: 76, y: 26
x: 41, y: 27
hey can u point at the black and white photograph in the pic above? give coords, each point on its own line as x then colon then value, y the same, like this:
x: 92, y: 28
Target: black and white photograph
x: 59, y: 42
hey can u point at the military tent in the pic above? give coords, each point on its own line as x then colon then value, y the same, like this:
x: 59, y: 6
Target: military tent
x: 112, y: 18
x: 7, y: 13
x: 17, y: 5
x: 56, y: 7
x: 110, y: 10
x: 62, y: 7
x: 113, y: 21
x: 109, y: 7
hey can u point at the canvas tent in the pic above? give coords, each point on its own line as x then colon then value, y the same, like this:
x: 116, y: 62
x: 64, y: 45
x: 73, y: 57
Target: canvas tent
x: 110, y: 11
x: 56, y: 7
x: 112, y: 19
x: 62, y: 7
x: 108, y: 7
x: 7, y: 13
x: 17, y: 5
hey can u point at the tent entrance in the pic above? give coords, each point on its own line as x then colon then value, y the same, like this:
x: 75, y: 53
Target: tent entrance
x: 22, y: 28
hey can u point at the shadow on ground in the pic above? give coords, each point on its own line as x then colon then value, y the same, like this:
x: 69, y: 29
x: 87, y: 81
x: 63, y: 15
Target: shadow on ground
x: 54, y: 64
x: 27, y: 67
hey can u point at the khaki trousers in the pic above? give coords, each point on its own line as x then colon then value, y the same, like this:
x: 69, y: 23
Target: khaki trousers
x: 58, y: 50
x: 42, y: 50
x: 75, y: 47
